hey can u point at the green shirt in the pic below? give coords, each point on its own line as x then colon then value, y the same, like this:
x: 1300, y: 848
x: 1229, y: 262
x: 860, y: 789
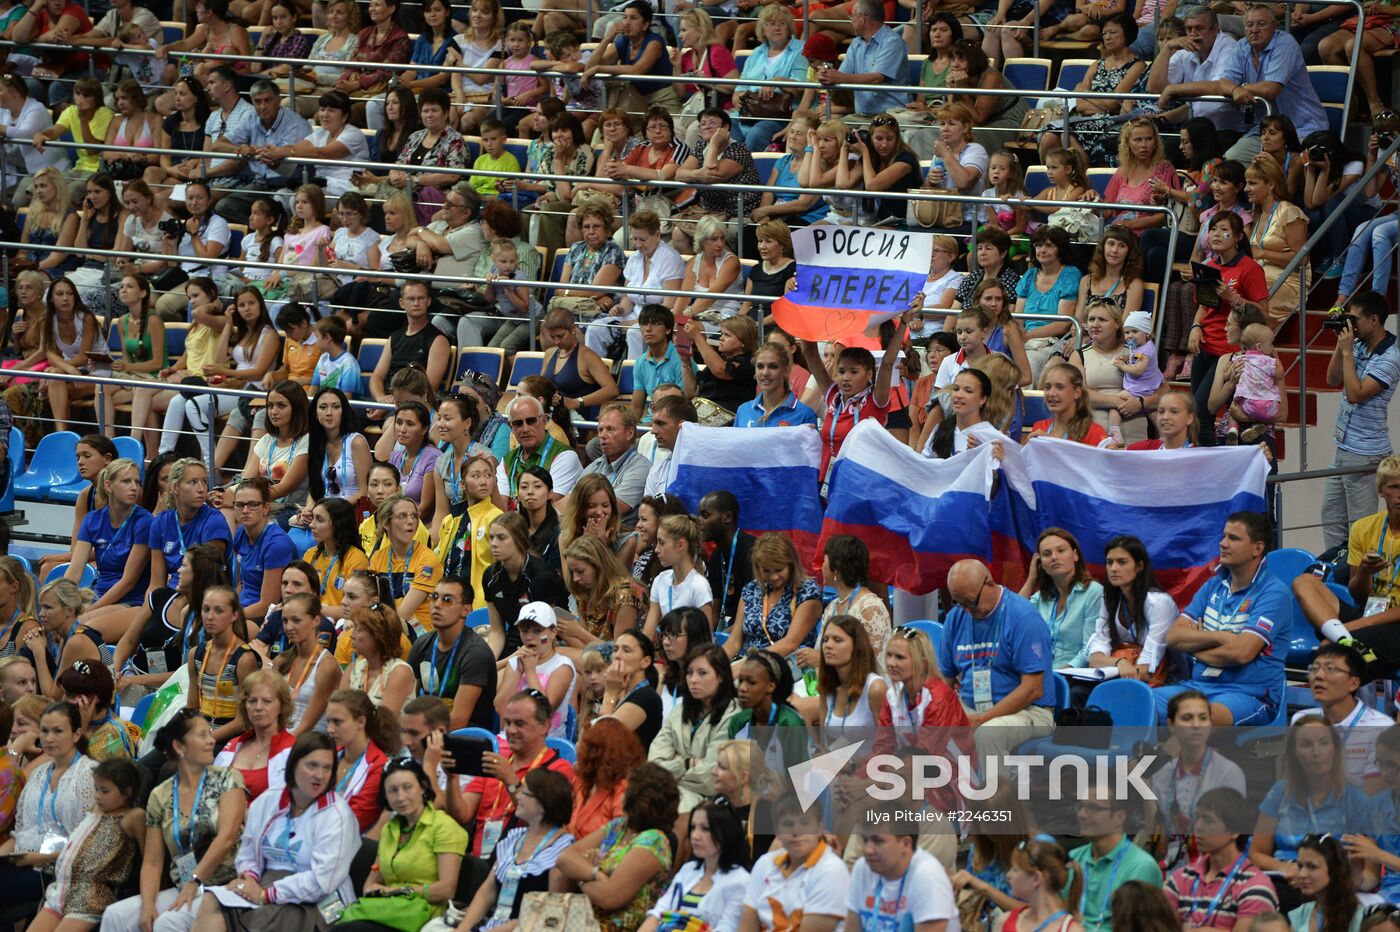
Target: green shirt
x: 1302, y: 918
x: 1104, y: 875
x: 413, y: 861
x: 486, y: 186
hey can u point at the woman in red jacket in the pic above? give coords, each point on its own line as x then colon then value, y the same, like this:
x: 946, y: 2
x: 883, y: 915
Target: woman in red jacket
x: 365, y: 735
x: 260, y: 753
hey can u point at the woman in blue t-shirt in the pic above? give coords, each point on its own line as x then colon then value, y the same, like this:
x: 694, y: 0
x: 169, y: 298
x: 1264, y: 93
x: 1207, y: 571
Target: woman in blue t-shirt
x: 115, y: 537
x: 261, y: 549
x: 188, y: 519
x: 631, y: 48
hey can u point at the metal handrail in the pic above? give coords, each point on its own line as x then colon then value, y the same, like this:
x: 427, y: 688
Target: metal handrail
x: 914, y: 195
x: 1296, y: 265
x: 699, y: 80
x: 103, y: 382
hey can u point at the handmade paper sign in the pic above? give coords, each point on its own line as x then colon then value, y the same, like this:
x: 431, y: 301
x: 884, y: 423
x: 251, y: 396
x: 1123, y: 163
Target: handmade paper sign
x: 850, y: 280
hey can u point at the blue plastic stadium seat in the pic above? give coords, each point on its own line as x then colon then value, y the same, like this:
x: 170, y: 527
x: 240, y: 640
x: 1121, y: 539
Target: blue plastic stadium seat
x: 88, y: 579
x: 16, y: 454
x: 474, y: 732
x: 1128, y: 703
x: 55, y: 463
x: 564, y: 747
x: 143, y: 709
x: 934, y: 630
x: 130, y: 448
x: 489, y: 361
x: 626, y: 380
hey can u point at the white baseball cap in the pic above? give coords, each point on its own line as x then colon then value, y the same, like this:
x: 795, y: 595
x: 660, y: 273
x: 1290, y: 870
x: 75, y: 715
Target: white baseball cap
x: 538, y: 612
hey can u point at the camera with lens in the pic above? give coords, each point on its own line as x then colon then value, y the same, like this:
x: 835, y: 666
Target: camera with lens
x: 1317, y: 153
x: 172, y: 228
x: 1340, y: 322
x: 858, y: 135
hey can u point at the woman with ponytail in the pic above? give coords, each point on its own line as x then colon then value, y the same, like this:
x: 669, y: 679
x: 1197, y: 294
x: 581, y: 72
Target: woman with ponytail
x: 1039, y: 871
x: 366, y: 735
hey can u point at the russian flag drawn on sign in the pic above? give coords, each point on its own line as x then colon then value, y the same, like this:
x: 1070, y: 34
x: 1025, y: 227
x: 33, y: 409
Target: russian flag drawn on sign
x: 1175, y: 501
x: 772, y: 471
x: 849, y: 280
x: 917, y: 516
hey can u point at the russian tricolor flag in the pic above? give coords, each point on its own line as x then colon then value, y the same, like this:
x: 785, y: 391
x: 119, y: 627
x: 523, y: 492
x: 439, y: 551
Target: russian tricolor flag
x: 1175, y: 501
x: 917, y: 516
x: 772, y: 471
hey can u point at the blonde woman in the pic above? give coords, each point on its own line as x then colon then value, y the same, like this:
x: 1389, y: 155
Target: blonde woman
x: 609, y: 601
x: 591, y: 510
x: 479, y: 47
x: 337, y: 43
x: 818, y: 170
x: 1142, y: 164
x: 777, y: 58
x: 51, y: 222
x: 700, y: 53
x: 1278, y: 230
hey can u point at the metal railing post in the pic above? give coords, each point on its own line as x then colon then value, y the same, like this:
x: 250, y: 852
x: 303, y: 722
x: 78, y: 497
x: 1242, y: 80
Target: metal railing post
x: 213, y: 428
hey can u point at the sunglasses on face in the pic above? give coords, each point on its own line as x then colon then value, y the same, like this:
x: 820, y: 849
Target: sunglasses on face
x: 525, y: 421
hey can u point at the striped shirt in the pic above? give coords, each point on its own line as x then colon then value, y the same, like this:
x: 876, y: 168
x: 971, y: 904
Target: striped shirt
x: 1250, y: 893
x: 1362, y: 428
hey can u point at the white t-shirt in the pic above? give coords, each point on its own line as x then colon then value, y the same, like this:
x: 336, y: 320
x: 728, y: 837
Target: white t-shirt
x: 924, y: 894
x: 933, y: 288
x: 660, y: 474
x: 1359, y: 732
x: 642, y: 274
x: 948, y: 370
x: 546, y: 671
x: 215, y: 231
x: 983, y: 431
x: 816, y: 888
x: 691, y: 592
x: 353, y: 138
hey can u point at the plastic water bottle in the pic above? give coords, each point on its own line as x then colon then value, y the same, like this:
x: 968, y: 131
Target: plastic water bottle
x: 1132, y: 347
x: 936, y: 166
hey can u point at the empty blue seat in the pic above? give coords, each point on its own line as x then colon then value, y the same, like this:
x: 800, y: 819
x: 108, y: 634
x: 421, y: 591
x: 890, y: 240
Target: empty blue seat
x: 89, y: 577
x: 55, y: 463
x: 130, y: 448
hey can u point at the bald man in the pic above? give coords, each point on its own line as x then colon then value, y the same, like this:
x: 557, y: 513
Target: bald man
x: 996, y: 652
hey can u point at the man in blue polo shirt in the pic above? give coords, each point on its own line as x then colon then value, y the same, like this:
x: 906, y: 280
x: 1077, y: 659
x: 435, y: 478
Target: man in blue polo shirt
x: 996, y: 649
x: 877, y: 55
x: 1268, y: 64
x: 1229, y: 628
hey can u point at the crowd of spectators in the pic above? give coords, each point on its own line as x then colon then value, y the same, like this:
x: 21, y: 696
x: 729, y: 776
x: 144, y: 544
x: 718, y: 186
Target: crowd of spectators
x: 474, y: 570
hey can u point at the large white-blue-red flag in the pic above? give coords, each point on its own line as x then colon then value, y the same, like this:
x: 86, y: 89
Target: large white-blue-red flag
x: 772, y: 472
x: 850, y: 280
x: 1174, y: 501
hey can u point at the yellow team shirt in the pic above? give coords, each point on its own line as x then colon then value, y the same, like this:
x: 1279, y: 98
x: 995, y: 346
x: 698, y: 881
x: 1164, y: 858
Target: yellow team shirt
x: 200, y: 344
x: 300, y: 359
x: 334, y: 572
x: 422, y: 573
x: 479, y: 518
x: 369, y: 529
x: 1365, y: 537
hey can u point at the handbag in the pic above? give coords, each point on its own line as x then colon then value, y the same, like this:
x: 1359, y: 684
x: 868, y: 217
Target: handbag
x: 1188, y: 222
x: 557, y: 912
x: 1081, y: 223
x: 776, y: 107
x: 405, y: 912
x: 940, y: 214
x: 591, y: 197
x: 1094, y: 723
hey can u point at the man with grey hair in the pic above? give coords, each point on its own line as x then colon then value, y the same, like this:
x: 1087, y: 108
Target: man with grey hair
x: 453, y: 241
x: 1200, y: 55
x: 877, y: 55
x: 529, y: 424
x: 619, y: 462
x: 251, y: 140
x: 1268, y: 64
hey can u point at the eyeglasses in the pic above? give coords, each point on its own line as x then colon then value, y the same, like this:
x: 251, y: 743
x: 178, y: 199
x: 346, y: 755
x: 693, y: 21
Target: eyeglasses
x: 530, y: 421
x: 1328, y: 668
x: 332, y: 481
x: 913, y: 634
x: 971, y: 604
x: 247, y: 506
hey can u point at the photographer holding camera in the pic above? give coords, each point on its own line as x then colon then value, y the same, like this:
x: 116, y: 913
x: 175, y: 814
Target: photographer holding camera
x: 205, y: 235
x: 1366, y: 366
